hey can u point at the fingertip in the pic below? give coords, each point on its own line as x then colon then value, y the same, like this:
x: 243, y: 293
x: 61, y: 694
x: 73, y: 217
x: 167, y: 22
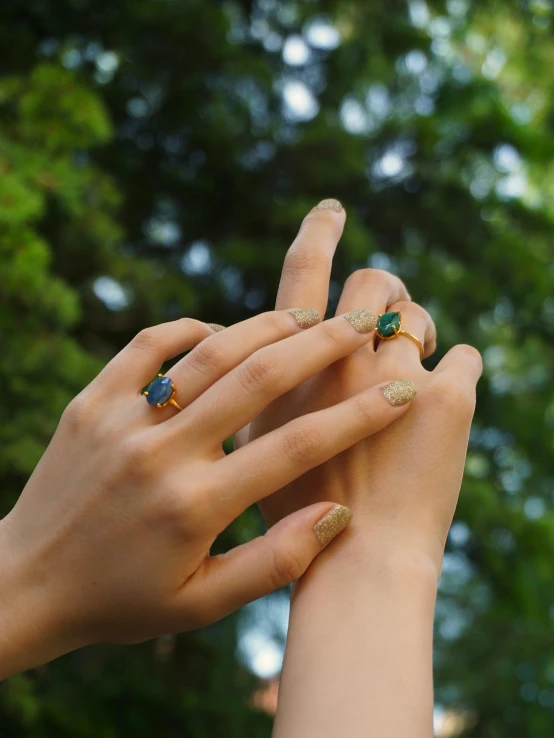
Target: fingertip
x: 325, y: 519
x: 306, y: 317
x: 472, y: 356
x: 332, y: 523
x: 363, y: 320
x: 330, y: 204
x: 400, y: 392
x: 331, y: 215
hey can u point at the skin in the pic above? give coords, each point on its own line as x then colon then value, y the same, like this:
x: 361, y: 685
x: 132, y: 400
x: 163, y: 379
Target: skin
x: 110, y: 538
x: 359, y: 649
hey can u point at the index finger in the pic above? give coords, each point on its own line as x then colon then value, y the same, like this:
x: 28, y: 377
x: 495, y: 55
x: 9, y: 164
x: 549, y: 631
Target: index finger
x: 307, y: 267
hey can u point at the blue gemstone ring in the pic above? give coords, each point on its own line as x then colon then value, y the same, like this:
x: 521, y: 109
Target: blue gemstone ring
x: 161, y: 393
x: 389, y: 327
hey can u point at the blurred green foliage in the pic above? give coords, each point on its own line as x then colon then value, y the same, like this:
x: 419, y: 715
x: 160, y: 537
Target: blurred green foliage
x: 156, y: 157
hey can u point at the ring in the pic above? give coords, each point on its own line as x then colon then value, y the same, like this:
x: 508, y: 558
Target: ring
x: 161, y: 393
x: 389, y: 327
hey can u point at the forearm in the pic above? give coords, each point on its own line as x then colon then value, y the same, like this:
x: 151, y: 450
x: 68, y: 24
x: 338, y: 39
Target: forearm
x: 359, y: 649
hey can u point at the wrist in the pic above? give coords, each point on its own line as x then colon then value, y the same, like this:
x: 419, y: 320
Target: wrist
x: 361, y: 633
x: 364, y: 552
x: 31, y: 626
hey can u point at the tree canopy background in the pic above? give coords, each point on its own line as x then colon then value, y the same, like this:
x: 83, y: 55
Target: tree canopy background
x: 156, y: 157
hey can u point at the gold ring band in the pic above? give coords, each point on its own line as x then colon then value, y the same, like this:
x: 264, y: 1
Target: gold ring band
x: 414, y: 339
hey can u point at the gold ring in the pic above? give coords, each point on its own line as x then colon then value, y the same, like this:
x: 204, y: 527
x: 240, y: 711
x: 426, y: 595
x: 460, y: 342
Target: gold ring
x: 389, y: 327
x: 161, y: 393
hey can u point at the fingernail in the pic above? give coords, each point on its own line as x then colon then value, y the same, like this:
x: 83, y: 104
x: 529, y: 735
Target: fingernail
x: 363, y: 320
x: 400, y: 392
x: 332, y: 523
x: 306, y: 318
x: 216, y: 327
x: 330, y: 204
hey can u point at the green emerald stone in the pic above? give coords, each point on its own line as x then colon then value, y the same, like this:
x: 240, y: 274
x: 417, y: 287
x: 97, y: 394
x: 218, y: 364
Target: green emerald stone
x: 387, y: 324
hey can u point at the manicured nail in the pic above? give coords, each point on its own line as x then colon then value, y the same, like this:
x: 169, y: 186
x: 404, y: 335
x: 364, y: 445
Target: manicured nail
x: 306, y: 318
x: 332, y: 524
x: 216, y: 327
x: 330, y: 204
x: 363, y: 320
x: 400, y: 392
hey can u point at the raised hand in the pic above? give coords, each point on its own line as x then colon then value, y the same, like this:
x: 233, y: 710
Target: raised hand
x: 376, y: 476
x: 359, y: 648
x: 110, y: 539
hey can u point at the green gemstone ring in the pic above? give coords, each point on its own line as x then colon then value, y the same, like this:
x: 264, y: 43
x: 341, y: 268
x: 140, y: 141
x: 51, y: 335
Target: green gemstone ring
x: 389, y: 327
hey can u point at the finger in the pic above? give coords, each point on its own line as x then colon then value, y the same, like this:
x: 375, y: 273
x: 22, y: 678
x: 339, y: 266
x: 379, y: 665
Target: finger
x: 223, y: 351
x: 463, y: 363
x: 452, y: 390
x: 242, y: 436
x: 372, y: 288
x: 229, y: 581
x: 307, y: 266
x: 416, y: 321
x: 142, y: 358
x: 270, y: 372
x: 277, y: 458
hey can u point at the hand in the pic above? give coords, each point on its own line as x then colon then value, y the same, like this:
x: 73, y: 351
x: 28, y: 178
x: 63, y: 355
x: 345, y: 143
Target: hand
x: 359, y: 646
x: 110, y: 539
x: 403, y: 483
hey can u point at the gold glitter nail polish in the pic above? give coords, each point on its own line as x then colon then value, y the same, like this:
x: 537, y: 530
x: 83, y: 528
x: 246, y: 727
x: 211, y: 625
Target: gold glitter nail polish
x: 216, y: 327
x: 332, y: 523
x: 330, y: 204
x: 400, y: 392
x: 306, y: 318
x: 363, y: 320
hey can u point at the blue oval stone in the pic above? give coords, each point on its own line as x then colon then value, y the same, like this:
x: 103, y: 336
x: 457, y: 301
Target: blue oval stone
x: 159, y: 391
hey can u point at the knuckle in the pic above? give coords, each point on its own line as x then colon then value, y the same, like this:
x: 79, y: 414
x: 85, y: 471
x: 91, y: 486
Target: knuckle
x: 139, y: 455
x: 287, y: 567
x: 258, y: 372
x: 337, y: 332
x: 451, y: 396
x: 470, y: 355
x: 146, y: 340
x: 207, y: 357
x: 184, y: 510
x: 414, y: 310
x: 133, y: 456
x: 194, y: 501
x: 304, y: 257
x: 302, y: 443
x: 369, y: 276
x: 277, y: 320
x: 359, y: 278
x: 391, y: 366
x: 80, y: 413
x: 365, y: 407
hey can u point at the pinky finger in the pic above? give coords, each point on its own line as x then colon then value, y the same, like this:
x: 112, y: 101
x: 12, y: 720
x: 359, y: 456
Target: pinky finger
x: 227, y: 582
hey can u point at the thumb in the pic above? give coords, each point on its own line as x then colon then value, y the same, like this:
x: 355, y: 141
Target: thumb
x: 227, y: 582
